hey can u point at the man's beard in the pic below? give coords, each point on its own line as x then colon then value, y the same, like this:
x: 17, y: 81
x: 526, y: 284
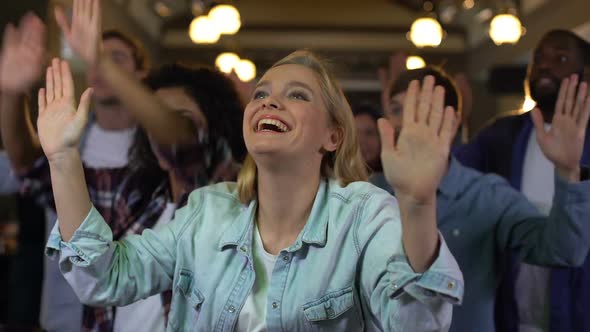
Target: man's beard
x: 547, y: 100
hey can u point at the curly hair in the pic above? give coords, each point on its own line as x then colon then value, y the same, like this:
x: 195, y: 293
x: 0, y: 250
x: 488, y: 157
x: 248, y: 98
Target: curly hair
x: 216, y: 96
x: 217, y: 99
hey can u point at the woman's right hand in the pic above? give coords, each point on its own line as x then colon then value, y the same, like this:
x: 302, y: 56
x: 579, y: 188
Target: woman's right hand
x: 59, y: 124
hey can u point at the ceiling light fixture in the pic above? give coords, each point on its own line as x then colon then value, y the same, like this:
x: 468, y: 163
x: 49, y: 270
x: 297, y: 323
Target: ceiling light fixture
x: 426, y: 32
x: 246, y: 70
x: 505, y: 29
x: 226, y: 18
x: 226, y: 62
x: 415, y: 62
x: 203, y: 31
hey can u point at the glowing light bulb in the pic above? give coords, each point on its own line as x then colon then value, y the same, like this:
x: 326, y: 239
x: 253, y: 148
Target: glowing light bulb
x: 246, y: 70
x: 226, y: 62
x: 226, y: 18
x: 415, y: 62
x: 203, y: 31
x: 426, y: 31
x: 505, y: 29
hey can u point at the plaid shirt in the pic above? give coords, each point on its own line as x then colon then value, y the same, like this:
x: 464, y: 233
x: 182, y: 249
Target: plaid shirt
x: 129, y: 211
x: 124, y: 207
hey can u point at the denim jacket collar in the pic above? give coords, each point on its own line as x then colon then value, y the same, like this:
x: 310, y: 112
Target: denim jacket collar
x: 314, y: 232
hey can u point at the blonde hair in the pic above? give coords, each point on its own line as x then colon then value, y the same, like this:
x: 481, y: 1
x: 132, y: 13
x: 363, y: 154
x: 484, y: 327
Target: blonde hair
x: 345, y: 164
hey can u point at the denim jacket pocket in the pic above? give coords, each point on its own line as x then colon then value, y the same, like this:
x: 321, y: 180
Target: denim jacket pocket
x: 335, y: 310
x: 186, y: 302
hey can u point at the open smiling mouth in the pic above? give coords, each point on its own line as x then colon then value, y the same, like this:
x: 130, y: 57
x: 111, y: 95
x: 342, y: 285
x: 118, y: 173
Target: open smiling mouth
x: 271, y: 125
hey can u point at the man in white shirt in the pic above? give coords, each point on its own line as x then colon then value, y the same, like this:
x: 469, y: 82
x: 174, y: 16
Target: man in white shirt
x: 535, y: 299
x: 106, y: 146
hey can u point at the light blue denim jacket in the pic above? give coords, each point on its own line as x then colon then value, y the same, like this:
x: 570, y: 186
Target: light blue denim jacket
x: 346, y: 271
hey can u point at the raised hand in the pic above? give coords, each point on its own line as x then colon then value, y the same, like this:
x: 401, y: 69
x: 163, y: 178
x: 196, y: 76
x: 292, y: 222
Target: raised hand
x: 415, y: 163
x: 60, y: 126
x: 23, y: 55
x: 84, y: 33
x: 563, y: 143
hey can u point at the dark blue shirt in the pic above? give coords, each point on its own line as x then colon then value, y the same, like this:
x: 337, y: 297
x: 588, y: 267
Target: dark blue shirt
x: 483, y: 219
x: 501, y: 149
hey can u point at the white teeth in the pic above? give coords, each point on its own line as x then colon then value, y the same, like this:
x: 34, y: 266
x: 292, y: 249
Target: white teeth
x: 281, y: 126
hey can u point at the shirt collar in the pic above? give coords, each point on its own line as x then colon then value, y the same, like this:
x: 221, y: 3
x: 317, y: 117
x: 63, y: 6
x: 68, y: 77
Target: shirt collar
x: 239, y: 233
x: 315, y: 230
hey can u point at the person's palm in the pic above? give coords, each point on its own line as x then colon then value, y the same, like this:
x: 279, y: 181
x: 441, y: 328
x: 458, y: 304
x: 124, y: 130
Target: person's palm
x: 415, y: 163
x: 84, y: 33
x: 23, y: 54
x: 60, y: 125
x: 563, y: 143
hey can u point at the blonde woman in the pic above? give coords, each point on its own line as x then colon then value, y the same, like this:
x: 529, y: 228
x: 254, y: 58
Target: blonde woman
x: 298, y: 244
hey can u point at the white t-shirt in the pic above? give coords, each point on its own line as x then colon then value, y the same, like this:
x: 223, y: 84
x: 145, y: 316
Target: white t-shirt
x: 252, y: 317
x: 60, y: 308
x: 538, y: 175
x: 532, y: 283
x: 145, y: 315
x: 107, y: 148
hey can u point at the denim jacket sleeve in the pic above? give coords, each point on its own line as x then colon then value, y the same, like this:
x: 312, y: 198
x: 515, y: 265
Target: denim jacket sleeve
x: 105, y: 272
x: 560, y: 239
x: 398, y: 297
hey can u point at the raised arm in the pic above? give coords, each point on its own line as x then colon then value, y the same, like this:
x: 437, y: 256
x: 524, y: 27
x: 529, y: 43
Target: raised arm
x: 60, y: 128
x: 21, y: 65
x: 101, y: 271
x: 84, y: 36
x: 414, y: 165
x: 563, y: 237
x: 563, y: 143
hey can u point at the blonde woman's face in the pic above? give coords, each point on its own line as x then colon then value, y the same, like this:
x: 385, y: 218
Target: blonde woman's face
x: 286, y: 117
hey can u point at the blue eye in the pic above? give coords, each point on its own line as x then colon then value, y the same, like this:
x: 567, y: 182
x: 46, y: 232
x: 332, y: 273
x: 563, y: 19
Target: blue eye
x: 259, y: 95
x: 298, y: 95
